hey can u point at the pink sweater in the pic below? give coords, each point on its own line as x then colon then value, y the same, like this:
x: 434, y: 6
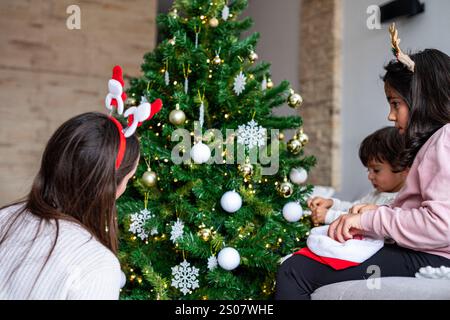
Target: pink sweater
x: 419, y: 218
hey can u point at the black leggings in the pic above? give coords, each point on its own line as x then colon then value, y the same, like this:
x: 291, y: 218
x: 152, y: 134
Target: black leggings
x: 299, y: 276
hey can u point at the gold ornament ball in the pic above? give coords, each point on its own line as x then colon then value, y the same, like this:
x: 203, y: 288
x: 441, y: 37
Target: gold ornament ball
x: 177, y: 117
x: 253, y: 56
x: 149, y: 178
x: 295, y: 100
x: 217, y: 60
x: 303, y: 138
x: 286, y: 189
x: 294, y: 146
x: 205, y: 234
x: 131, y: 101
x: 246, y: 169
x: 269, y: 84
x: 213, y: 22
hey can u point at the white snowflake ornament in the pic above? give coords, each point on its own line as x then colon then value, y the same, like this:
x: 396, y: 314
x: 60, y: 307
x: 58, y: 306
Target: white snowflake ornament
x: 225, y: 13
x: 251, y: 135
x: 185, y: 277
x: 239, y: 83
x: 212, y: 263
x: 138, y: 220
x: 177, y: 230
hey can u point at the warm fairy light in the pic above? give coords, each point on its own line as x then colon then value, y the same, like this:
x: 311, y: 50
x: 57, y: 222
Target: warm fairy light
x: 175, y: 180
x: 163, y: 70
x: 210, y: 76
x: 202, y: 17
x: 159, y: 124
x: 208, y: 61
x: 227, y: 115
x: 140, y: 280
x: 166, y: 160
x: 267, y: 245
x: 297, y: 239
x: 250, y: 186
x: 280, y: 240
x: 132, y: 277
x: 156, y: 158
x: 131, y: 270
x: 225, y: 174
x: 175, y: 82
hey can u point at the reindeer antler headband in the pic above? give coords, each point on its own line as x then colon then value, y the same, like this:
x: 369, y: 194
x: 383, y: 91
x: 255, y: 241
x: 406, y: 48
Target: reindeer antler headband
x: 399, y: 54
x: 136, y: 115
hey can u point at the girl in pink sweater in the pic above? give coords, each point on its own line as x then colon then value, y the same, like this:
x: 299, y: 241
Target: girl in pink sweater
x: 418, y: 91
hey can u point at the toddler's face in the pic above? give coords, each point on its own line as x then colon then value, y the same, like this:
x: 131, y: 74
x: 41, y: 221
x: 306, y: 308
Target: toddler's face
x: 382, y: 177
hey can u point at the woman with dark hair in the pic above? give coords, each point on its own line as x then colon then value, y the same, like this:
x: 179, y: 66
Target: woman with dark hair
x: 418, y: 91
x: 61, y: 242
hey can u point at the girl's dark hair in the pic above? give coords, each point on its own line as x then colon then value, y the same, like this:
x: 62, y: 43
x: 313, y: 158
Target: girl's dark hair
x: 77, y: 179
x: 427, y: 94
x: 384, y: 145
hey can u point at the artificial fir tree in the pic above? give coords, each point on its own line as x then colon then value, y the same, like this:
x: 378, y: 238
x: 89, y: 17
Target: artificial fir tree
x: 199, y: 227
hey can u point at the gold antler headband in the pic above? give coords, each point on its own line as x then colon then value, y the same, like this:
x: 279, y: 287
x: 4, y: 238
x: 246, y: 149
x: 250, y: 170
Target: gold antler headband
x: 401, y: 56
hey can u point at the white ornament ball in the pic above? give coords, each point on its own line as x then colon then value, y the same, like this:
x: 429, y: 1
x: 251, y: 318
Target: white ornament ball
x: 298, y: 175
x: 228, y: 258
x: 200, y: 153
x: 231, y: 201
x: 123, y: 279
x: 292, y: 211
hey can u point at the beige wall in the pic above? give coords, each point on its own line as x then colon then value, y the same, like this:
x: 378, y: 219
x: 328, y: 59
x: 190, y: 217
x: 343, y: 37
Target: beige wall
x: 49, y: 73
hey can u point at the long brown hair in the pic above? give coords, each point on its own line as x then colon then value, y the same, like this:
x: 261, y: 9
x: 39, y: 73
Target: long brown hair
x: 77, y: 180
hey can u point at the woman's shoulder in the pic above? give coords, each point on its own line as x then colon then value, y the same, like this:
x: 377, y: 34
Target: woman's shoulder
x: 74, y: 242
x: 84, y: 246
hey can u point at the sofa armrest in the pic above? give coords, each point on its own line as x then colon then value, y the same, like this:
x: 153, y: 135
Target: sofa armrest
x: 390, y: 288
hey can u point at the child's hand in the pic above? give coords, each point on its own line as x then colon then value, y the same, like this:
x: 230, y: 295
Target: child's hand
x: 316, y: 202
x: 318, y: 215
x: 360, y: 208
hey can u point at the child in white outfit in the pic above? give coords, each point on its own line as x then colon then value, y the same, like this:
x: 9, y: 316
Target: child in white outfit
x: 379, y: 152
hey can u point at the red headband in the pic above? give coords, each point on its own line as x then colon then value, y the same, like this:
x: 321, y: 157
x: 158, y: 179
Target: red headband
x: 122, y: 144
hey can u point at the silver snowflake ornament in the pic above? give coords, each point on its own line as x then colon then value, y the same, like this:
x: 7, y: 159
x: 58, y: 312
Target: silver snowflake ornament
x: 184, y: 277
x: 239, y: 83
x: 212, y: 263
x: 138, y: 221
x: 177, y: 230
x: 251, y: 135
x: 225, y: 13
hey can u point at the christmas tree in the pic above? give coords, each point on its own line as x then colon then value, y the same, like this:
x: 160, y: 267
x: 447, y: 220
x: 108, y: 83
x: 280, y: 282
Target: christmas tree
x: 218, y: 198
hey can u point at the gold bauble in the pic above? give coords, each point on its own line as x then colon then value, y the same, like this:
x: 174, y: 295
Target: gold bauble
x: 253, y: 56
x: 177, y: 117
x: 295, y: 100
x: 213, y: 22
x: 205, y: 234
x: 149, y: 178
x: 217, y: 59
x: 286, y: 189
x: 246, y: 169
x: 131, y: 101
x: 269, y: 84
x: 294, y: 145
x: 303, y: 138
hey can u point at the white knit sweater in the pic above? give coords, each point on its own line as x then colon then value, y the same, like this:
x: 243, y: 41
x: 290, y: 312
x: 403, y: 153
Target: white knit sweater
x: 374, y: 197
x: 80, y: 267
